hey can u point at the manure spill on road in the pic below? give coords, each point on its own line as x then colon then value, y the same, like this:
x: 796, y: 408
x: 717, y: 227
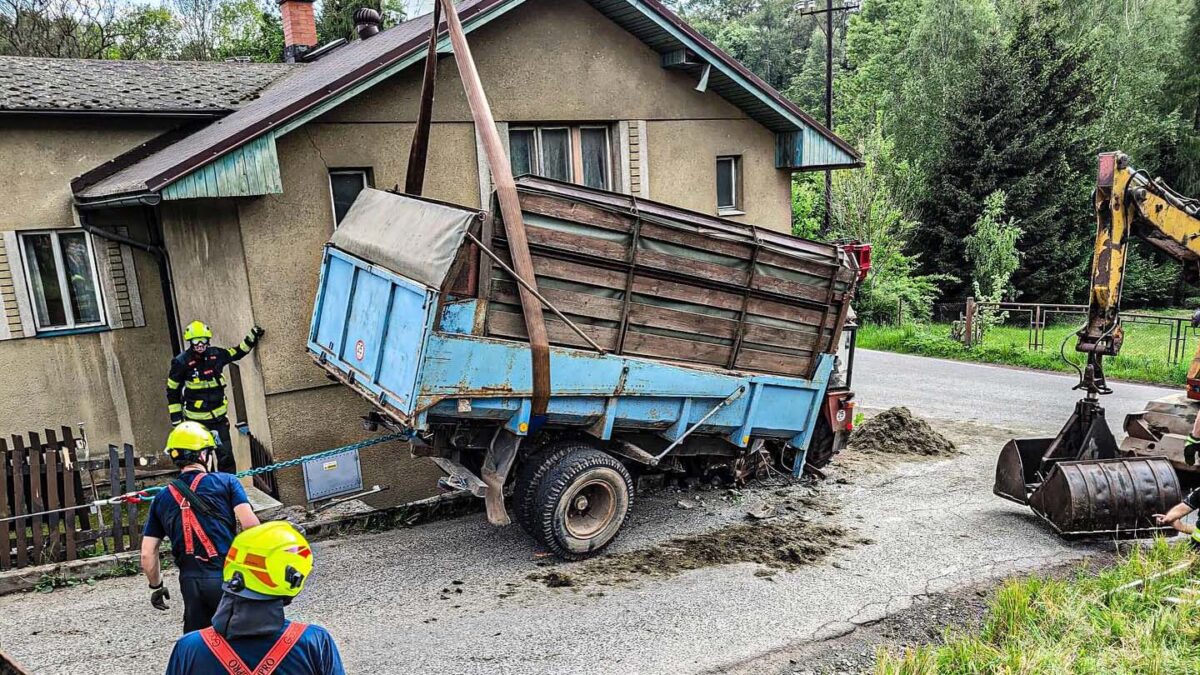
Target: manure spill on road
x: 896, y: 431
x: 782, y: 543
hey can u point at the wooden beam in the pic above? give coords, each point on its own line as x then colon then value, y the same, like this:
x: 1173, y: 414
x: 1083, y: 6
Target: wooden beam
x: 414, y: 178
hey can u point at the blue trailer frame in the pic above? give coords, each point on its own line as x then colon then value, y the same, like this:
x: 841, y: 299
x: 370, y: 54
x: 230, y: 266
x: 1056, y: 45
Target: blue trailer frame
x: 419, y: 361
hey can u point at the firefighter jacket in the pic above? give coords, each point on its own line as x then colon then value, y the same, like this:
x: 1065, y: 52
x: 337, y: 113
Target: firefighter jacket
x: 196, y: 383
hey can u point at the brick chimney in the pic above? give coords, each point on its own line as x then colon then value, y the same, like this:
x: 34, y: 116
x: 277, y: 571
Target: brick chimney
x: 299, y: 28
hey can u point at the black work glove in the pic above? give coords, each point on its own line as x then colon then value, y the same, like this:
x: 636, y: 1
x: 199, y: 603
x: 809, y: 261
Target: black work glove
x: 255, y: 333
x: 176, y: 418
x: 158, y: 594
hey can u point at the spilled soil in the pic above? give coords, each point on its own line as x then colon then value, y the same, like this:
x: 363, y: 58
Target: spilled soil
x: 896, y: 431
x: 782, y: 542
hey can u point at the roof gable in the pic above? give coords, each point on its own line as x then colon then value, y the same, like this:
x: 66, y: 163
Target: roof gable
x: 318, y: 87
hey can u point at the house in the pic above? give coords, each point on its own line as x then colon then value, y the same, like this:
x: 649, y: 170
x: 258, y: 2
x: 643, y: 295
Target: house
x: 209, y: 190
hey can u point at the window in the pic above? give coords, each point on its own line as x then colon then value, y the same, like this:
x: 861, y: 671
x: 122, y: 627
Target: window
x: 728, y: 186
x: 574, y: 154
x: 344, y: 186
x: 60, y: 270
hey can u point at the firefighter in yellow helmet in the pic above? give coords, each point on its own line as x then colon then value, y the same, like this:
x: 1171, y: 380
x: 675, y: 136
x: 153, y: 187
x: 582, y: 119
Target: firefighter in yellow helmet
x: 266, y: 567
x: 199, y: 512
x: 196, y: 385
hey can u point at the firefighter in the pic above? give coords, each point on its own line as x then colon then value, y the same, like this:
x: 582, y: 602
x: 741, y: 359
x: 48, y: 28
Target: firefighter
x: 196, y: 385
x: 199, y: 512
x: 266, y: 567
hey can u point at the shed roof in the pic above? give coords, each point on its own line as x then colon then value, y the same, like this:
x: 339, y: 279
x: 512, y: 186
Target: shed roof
x: 343, y: 72
x: 185, y: 88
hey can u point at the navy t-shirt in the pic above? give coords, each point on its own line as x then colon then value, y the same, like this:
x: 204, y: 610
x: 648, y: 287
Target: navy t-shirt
x: 222, y: 492
x: 314, y: 654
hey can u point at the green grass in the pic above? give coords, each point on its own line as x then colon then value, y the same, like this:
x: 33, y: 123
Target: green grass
x: 1143, y: 357
x: 1075, y: 625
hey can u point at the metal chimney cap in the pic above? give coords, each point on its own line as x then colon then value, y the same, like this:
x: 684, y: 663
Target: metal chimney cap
x: 367, y: 22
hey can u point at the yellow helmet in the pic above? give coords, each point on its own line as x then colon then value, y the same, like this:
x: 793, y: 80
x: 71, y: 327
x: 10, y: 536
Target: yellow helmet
x: 197, y: 330
x: 268, y: 561
x: 188, y: 440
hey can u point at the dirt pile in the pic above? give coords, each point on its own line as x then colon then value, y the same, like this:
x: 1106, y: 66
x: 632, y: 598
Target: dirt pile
x: 785, y: 544
x: 896, y: 431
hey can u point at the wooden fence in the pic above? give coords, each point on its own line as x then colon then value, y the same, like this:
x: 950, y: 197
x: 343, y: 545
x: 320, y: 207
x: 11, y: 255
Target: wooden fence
x: 46, y: 512
x: 260, y: 456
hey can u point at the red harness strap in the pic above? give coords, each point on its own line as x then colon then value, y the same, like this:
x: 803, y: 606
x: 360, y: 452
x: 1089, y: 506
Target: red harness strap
x: 192, y: 531
x: 234, y: 665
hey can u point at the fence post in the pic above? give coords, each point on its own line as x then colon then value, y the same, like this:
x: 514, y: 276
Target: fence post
x: 969, y: 322
x: 900, y: 311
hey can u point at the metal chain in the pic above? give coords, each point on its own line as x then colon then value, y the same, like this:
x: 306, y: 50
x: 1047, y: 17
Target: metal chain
x: 147, y: 494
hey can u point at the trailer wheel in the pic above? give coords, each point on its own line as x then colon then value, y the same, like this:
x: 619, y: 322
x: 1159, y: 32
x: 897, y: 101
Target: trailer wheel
x: 820, y: 447
x: 582, y: 503
x: 529, y: 478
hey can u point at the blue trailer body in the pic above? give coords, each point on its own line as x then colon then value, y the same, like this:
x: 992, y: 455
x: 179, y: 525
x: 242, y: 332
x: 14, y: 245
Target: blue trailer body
x: 421, y: 360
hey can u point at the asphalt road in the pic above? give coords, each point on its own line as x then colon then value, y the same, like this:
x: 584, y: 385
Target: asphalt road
x: 1006, y: 397
x: 392, y: 604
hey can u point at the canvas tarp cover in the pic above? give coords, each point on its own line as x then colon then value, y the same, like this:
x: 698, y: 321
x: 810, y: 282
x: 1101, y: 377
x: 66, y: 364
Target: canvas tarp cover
x: 414, y: 238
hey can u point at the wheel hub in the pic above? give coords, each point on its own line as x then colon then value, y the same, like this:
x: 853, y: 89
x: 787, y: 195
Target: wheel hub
x: 592, y: 508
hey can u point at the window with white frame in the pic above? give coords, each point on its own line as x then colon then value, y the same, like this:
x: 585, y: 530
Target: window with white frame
x: 572, y: 153
x: 344, y: 186
x: 729, y: 198
x: 60, y: 272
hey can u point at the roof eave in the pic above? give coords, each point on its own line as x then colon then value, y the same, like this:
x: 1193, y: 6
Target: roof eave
x: 74, y: 112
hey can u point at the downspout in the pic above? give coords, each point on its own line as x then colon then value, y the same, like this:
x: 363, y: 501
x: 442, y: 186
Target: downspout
x: 154, y: 248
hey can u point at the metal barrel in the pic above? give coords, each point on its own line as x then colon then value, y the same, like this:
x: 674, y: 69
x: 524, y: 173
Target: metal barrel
x: 1110, y: 497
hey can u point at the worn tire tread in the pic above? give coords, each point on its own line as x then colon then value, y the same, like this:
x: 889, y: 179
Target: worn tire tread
x: 558, y: 479
x: 529, y: 479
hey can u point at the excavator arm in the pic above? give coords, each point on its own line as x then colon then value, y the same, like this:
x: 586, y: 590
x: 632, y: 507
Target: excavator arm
x: 1079, y: 481
x: 1128, y: 203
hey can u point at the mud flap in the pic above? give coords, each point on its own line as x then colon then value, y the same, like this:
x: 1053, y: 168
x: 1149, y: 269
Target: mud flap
x: 496, y: 465
x: 1113, y: 497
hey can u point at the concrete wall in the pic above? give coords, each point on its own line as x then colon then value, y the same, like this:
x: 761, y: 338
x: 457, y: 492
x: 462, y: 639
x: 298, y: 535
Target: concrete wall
x: 554, y: 61
x: 111, y: 381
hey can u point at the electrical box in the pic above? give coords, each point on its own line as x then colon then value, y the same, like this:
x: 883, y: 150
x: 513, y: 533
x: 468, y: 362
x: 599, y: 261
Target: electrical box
x: 332, y: 476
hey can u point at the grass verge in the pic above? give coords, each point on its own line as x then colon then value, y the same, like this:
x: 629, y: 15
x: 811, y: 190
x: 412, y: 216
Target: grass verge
x: 1143, y: 357
x: 1081, y: 624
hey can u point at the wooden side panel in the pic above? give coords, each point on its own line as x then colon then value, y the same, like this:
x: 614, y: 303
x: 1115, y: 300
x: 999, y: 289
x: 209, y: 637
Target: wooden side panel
x: 247, y: 171
x: 684, y: 290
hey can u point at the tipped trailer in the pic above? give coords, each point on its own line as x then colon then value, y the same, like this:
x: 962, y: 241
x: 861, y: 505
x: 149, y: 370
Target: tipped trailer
x: 679, y: 343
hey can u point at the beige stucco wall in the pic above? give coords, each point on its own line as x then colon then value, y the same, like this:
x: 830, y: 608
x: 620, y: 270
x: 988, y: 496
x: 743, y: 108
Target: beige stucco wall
x: 110, y: 381
x: 557, y: 61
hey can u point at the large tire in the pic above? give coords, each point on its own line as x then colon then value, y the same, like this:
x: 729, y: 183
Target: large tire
x: 529, y: 478
x: 820, y: 447
x: 582, y: 503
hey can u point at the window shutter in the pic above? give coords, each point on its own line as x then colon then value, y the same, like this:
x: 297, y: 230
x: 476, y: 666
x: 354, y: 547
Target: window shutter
x: 635, y: 167
x: 14, y: 296
x: 122, y: 300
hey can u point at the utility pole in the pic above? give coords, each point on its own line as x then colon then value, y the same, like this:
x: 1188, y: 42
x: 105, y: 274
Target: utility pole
x: 810, y: 9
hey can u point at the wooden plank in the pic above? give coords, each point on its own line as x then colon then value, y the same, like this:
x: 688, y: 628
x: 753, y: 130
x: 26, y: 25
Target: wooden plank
x: 681, y: 292
x: 37, y: 502
x: 757, y: 333
x: 510, y: 325
x: 69, y: 478
x: 542, y: 237
x: 576, y: 212
x: 571, y: 303
x: 696, y: 240
x: 826, y: 269
x: 567, y: 270
x: 675, y: 349
x: 53, y: 500
x: 18, y: 479
x: 673, y: 319
x: 114, y: 485
x: 771, y: 362
x: 784, y: 287
x: 692, y: 268
x: 5, y: 540
x: 135, y: 539
x: 783, y: 311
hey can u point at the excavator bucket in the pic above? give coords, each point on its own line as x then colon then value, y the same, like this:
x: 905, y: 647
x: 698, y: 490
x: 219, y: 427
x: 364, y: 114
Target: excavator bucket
x: 1079, y: 483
